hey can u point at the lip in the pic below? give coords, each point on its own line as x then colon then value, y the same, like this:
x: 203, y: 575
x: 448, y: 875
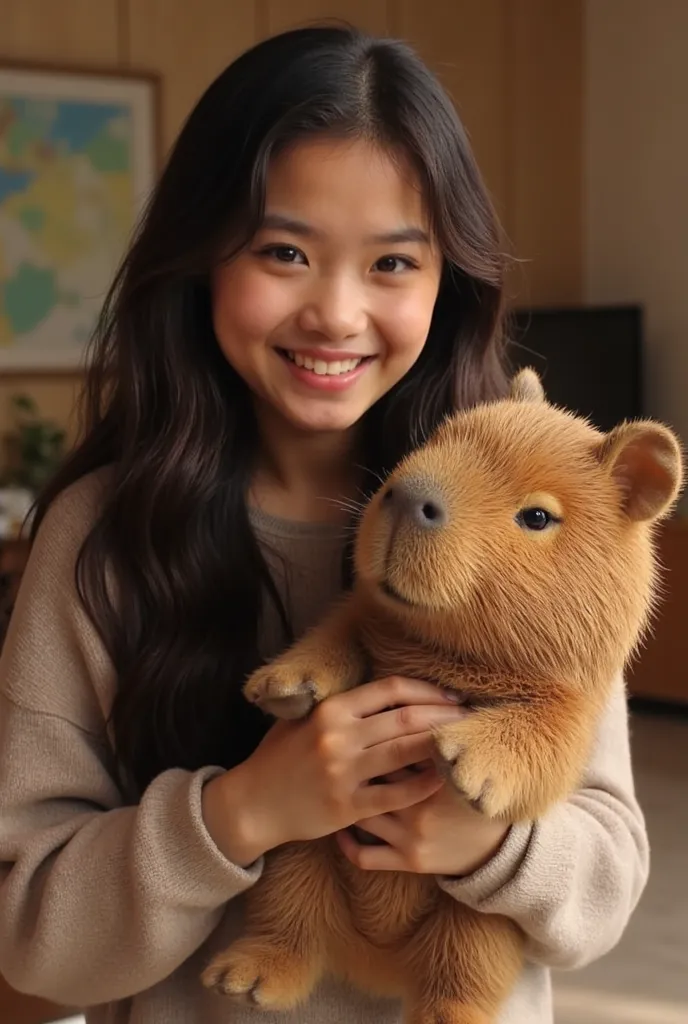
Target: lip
x: 327, y: 355
x: 321, y: 381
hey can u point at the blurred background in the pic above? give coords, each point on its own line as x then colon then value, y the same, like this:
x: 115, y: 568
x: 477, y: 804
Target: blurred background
x: 577, y: 110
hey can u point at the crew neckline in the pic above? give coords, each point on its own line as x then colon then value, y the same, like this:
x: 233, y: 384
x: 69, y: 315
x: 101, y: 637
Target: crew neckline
x: 281, y: 527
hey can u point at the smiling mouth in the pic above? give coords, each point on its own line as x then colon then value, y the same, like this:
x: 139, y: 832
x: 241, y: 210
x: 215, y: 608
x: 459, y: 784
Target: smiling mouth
x: 321, y: 367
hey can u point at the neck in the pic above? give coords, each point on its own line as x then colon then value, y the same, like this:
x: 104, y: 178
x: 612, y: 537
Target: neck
x: 304, y: 476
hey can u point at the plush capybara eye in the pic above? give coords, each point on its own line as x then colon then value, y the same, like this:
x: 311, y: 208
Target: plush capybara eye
x: 535, y: 518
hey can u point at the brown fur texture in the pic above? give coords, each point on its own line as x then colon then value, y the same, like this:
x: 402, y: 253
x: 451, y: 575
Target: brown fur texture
x: 530, y: 625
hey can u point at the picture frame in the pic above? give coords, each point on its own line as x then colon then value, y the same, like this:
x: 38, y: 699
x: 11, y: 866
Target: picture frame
x: 79, y: 154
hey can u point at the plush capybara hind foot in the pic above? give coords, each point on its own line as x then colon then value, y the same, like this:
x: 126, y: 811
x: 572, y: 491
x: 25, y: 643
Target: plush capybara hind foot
x: 262, y: 975
x: 449, y: 1012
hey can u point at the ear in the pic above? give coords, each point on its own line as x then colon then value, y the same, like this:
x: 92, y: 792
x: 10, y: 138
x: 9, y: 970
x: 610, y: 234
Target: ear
x: 526, y: 387
x: 645, y: 460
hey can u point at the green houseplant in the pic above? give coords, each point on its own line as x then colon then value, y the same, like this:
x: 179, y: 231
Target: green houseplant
x: 34, y: 448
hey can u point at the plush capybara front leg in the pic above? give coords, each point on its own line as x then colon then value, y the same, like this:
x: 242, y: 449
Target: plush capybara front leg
x: 463, y: 966
x: 326, y: 660
x: 516, y: 758
x: 282, y: 954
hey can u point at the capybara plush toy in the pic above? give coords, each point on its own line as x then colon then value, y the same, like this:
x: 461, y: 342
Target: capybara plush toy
x: 510, y: 559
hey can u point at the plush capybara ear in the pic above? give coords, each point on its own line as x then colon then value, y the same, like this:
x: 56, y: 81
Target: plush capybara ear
x: 526, y: 387
x: 645, y: 459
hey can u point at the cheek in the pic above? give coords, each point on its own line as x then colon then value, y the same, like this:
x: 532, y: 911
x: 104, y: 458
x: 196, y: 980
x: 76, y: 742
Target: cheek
x: 407, y: 317
x: 247, y: 307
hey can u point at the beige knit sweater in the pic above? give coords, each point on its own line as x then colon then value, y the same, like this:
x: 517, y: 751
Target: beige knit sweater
x: 116, y: 908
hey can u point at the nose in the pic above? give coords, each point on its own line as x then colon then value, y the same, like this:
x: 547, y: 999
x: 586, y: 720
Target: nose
x: 418, y: 502
x: 334, y: 310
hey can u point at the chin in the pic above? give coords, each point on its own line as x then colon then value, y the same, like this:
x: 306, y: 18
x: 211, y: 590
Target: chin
x: 323, y: 421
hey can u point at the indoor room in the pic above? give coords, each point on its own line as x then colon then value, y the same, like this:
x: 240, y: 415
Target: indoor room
x: 576, y: 112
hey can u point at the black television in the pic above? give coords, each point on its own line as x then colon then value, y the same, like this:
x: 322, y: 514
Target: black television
x: 588, y: 357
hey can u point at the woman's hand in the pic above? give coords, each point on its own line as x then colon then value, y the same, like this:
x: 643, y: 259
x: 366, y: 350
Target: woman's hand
x: 311, y: 778
x: 441, y: 835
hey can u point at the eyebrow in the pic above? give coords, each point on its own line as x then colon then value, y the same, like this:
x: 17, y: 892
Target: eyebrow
x: 276, y: 221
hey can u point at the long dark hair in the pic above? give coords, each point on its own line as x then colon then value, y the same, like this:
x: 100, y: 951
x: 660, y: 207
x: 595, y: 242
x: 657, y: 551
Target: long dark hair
x: 174, y: 422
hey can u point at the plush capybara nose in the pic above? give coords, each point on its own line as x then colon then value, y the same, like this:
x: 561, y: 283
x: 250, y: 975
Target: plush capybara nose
x: 418, y: 502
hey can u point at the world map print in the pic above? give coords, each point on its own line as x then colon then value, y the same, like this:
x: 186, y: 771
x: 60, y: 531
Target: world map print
x: 66, y: 209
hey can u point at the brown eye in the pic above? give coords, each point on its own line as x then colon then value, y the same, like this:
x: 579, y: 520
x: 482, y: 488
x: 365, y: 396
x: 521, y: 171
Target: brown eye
x: 535, y: 518
x: 394, y: 264
x: 286, y: 253
x: 283, y: 254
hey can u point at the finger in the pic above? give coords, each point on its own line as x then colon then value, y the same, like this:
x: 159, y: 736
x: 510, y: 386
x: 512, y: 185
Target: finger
x: 381, y: 799
x: 387, y: 758
x: 371, y: 698
x: 370, y: 858
x: 385, y: 826
x: 399, y: 776
x: 406, y: 721
x: 405, y: 773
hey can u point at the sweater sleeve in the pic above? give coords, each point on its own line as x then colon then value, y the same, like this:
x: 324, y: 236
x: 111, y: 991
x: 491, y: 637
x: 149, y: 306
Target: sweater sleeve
x: 572, y: 879
x: 99, y: 899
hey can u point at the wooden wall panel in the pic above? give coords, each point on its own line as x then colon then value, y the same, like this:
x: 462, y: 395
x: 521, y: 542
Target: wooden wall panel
x: 544, y: 75
x: 464, y: 42
x: 278, y: 15
x: 659, y: 671
x: 515, y: 72
x: 82, y: 31
x: 188, y: 43
x: 78, y: 32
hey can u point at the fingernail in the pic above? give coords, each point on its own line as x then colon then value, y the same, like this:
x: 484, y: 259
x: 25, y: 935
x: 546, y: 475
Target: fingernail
x: 452, y: 696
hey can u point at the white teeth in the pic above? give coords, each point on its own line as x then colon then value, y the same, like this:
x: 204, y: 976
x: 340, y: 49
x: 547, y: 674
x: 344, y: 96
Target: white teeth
x: 321, y: 368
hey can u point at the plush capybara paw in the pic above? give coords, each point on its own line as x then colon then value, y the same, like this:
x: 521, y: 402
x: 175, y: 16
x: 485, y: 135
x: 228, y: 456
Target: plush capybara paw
x: 260, y: 976
x: 448, y: 1012
x: 285, y: 689
x: 467, y: 753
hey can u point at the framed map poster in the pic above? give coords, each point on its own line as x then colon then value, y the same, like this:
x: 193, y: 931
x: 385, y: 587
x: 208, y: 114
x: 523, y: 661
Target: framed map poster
x: 78, y: 157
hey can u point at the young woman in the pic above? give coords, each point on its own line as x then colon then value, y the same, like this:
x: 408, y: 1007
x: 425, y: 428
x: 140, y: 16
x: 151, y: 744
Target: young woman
x: 317, y: 281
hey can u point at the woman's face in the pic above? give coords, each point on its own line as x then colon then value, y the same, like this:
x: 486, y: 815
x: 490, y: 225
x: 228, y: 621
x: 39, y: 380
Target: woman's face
x: 330, y: 304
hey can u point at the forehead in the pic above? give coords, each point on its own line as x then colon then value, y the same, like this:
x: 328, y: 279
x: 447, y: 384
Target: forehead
x: 523, y: 440
x: 334, y: 182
